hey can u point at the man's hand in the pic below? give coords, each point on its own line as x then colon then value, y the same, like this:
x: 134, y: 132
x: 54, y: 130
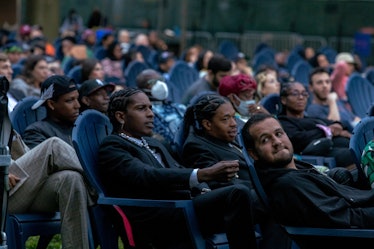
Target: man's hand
x: 223, y: 171
x: 13, y: 180
x: 332, y: 97
x: 336, y: 129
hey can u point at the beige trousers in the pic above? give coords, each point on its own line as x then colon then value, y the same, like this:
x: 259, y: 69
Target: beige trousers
x: 52, y: 180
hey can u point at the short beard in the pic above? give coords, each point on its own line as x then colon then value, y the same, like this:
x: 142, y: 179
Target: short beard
x: 279, y: 164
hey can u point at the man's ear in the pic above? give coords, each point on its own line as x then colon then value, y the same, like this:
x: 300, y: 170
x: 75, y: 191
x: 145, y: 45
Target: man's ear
x: 253, y: 154
x: 283, y: 100
x: 120, y: 117
x: 50, y: 104
x: 206, y: 124
x: 85, y: 100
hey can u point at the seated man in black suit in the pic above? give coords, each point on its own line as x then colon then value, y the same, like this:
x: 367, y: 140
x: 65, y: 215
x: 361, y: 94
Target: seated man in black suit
x: 213, y: 128
x: 299, y: 195
x: 134, y: 165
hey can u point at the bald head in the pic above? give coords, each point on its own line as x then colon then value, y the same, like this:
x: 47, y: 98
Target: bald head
x: 146, y: 75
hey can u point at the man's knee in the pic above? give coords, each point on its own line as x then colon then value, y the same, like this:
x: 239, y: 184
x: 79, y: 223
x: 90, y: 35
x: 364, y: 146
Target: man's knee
x: 70, y: 178
x: 241, y: 192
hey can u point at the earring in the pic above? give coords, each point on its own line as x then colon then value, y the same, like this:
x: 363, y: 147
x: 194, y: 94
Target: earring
x: 122, y: 124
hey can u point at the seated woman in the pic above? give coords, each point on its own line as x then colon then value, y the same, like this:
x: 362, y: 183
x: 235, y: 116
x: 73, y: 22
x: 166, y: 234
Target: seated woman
x: 113, y: 63
x: 267, y: 83
x: 313, y: 136
x: 211, y: 140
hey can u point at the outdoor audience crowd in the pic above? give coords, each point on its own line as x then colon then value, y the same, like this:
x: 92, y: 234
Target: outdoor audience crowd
x: 169, y: 137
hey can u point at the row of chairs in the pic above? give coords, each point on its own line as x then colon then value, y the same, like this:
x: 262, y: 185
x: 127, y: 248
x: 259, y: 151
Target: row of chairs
x: 180, y: 78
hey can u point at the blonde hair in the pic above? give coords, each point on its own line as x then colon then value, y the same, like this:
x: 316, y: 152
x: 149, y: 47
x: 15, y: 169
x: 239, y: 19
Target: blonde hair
x: 260, y: 79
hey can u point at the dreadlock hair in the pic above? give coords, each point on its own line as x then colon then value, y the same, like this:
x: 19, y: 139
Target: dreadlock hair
x: 118, y: 102
x: 204, y: 108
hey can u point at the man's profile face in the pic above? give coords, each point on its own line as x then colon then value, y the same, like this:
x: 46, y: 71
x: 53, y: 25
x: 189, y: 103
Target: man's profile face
x: 6, y: 69
x: 66, y: 108
x: 272, y: 145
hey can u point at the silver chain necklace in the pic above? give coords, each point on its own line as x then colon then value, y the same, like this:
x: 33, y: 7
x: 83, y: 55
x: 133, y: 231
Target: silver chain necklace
x: 139, y: 142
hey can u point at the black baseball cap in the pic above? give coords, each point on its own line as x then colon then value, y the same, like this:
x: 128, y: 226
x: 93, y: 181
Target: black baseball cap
x: 53, y: 87
x: 92, y: 85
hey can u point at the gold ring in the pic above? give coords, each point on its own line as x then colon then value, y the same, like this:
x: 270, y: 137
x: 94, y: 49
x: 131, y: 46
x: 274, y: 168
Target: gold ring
x: 258, y: 108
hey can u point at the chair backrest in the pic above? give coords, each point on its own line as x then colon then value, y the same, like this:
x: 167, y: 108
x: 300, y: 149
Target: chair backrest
x: 253, y: 174
x: 228, y: 49
x: 22, y: 114
x: 76, y: 74
x: 360, y: 94
x: 300, y: 71
x: 369, y: 74
x: 330, y: 54
x: 90, y: 128
x: 100, y: 53
x: 264, y: 57
x: 132, y: 70
x: 17, y: 69
x: 181, y: 135
x: 362, y: 133
x: 181, y: 78
x: 292, y: 59
x: 272, y: 103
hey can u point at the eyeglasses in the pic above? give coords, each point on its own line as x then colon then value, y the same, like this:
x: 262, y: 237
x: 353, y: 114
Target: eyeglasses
x: 297, y: 94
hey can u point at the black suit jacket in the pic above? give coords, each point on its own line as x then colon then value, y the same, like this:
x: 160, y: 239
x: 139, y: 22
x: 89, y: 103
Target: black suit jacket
x: 204, y: 151
x: 128, y: 170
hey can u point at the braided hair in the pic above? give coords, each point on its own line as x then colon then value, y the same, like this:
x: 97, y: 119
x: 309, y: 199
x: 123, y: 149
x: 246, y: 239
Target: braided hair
x: 118, y: 102
x: 204, y: 108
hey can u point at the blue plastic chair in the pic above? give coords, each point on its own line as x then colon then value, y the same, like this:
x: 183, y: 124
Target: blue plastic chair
x: 263, y: 58
x: 369, y: 74
x: 330, y: 53
x: 292, y: 59
x: 132, y: 70
x: 300, y: 72
x: 22, y: 114
x: 360, y: 94
x: 17, y: 69
x: 100, y: 53
x: 362, y: 133
x: 76, y: 74
x: 181, y: 78
x: 19, y: 227
x: 272, y: 103
x: 312, y: 237
x: 228, y: 49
